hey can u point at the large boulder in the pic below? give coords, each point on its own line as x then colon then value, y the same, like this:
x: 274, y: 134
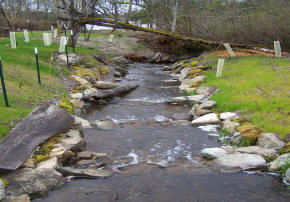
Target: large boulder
x: 280, y: 162
x: 257, y: 150
x: 43, y: 123
x: 186, y: 83
x: 206, y: 119
x: 270, y: 140
x: 35, y: 183
x: 213, y: 153
x: 2, y: 190
x: 237, y: 162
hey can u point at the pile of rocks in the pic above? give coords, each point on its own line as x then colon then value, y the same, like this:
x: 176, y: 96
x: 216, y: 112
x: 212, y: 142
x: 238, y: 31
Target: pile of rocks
x: 189, y: 73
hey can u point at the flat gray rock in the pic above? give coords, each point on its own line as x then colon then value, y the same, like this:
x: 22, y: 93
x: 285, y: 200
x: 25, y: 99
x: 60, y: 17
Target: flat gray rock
x: 43, y: 123
x: 270, y: 140
x: 213, y: 153
x: 257, y: 150
x: 185, y: 99
x: 237, y: 162
x: 105, y: 85
x: 85, y: 172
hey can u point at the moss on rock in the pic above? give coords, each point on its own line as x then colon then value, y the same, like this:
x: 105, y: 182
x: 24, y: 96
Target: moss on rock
x: 66, y: 105
x: 104, y: 70
x: 5, y: 182
x: 40, y: 158
x: 250, y: 134
x: 195, y: 84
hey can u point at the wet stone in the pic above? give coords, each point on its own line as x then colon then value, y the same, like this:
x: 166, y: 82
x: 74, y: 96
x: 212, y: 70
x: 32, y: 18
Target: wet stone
x: 182, y: 116
x: 236, y: 162
x: 85, y: 162
x: 213, y: 153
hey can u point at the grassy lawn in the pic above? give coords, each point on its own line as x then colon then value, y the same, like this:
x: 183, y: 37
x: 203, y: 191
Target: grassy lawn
x: 19, y: 68
x: 257, y: 86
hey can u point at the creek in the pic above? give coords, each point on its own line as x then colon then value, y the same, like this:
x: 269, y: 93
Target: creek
x: 155, y: 159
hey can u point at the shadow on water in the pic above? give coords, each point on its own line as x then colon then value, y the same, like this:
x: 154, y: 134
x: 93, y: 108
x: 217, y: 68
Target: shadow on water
x: 152, y: 146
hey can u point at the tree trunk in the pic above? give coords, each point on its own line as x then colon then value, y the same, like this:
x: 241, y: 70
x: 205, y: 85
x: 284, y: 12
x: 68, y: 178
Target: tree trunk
x: 173, y: 26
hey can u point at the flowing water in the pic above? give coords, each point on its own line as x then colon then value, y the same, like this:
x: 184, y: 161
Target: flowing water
x: 157, y: 160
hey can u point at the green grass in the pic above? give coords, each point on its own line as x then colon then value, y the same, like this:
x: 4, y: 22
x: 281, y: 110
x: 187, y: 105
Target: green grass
x: 258, y: 86
x: 20, y: 74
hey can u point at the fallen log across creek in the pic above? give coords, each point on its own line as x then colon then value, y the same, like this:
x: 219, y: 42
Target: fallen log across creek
x: 110, y: 93
x: 41, y: 124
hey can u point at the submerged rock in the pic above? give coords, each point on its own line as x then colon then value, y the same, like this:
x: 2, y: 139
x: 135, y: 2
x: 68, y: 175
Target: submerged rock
x: 85, y: 172
x: 206, y: 119
x: 185, y: 99
x: 182, y: 116
x: 32, y: 182
x: 257, y: 150
x: 106, y: 124
x: 280, y: 162
x: 270, y: 140
x: 213, y: 153
x: 237, y: 162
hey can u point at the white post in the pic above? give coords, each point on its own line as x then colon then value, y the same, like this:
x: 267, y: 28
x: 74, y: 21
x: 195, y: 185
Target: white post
x: 35, y: 50
x: 277, y: 48
x: 54, y: 33
x: 26, y: 36
x: 229, y: 49
x: 49, y: 38
x: 111, y: 38
x: 46, y: 39
x: 13, y: 40
x: 220, y: 67
x: 51, y: 28
x: 62, y: 44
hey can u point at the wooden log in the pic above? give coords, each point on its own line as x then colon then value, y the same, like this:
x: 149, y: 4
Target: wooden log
x: 203, y: 43
x: 43, y: 123
x: 110, y: 93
